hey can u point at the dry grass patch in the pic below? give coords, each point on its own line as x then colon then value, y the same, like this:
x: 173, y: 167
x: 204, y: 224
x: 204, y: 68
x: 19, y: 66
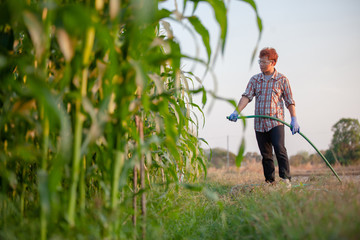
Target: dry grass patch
x: 249, y: 178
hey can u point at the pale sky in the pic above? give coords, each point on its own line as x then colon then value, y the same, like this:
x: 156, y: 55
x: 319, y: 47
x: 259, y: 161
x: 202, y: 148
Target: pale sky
x: 318, y: 43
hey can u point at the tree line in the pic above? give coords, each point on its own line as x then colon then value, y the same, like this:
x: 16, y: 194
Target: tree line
x: 343, y: 149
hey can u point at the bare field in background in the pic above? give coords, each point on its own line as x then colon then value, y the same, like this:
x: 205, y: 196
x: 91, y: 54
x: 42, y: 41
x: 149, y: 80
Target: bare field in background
x: 252, y: 173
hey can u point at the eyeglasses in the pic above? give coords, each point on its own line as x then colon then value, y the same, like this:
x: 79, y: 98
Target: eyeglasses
x: 264, y: 62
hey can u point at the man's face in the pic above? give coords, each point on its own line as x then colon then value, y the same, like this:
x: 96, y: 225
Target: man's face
x: 266, y: 65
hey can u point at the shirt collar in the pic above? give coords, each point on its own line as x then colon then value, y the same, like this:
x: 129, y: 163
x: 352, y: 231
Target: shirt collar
x: 274, y: 76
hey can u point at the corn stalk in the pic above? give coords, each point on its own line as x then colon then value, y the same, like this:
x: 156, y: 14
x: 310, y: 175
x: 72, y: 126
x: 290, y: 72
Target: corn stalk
x: 70, y: 124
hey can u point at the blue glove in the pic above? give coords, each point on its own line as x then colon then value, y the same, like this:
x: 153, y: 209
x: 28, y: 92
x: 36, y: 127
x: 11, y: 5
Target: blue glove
x: 234, y: 116
x: 295, y: 128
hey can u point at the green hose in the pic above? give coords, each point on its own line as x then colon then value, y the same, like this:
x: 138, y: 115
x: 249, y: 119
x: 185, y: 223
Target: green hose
x: 276, y: 119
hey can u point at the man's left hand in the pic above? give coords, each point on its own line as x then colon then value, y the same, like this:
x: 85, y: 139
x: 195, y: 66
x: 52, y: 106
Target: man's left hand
x: 295, y: 127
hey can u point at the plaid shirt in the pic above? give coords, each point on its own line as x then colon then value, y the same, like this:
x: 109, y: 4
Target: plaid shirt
x: 270, y: 96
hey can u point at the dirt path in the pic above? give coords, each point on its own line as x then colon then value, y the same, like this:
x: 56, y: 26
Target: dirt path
x: 348, y: 173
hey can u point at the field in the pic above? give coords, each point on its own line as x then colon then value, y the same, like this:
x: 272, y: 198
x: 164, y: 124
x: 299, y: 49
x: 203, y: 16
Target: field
x: 230, y: 203
x: 316, y: 207
x: 99, y: 133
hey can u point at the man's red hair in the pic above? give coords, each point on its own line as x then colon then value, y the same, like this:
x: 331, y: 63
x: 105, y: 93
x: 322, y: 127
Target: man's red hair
x: 270, y: 53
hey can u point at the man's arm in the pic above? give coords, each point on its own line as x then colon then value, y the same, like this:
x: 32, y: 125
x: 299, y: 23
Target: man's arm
x: 242, y: 103
x: 292, y: 110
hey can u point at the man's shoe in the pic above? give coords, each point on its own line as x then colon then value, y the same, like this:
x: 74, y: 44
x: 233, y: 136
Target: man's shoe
x: 286, y: 182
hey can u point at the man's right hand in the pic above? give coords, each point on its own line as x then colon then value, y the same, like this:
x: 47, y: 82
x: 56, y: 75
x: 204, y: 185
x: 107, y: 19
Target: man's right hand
x: 234, y: 116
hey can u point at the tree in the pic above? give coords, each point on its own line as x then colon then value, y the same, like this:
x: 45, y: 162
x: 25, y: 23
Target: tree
x: 300, y: 158
x: 252, y: 156
x: 345, y: 144
x: 219, y: 157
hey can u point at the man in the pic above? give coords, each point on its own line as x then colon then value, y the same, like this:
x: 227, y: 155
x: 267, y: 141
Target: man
x: 270, y: 89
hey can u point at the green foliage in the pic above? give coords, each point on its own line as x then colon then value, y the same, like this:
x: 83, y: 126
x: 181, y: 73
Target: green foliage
x: 75, y: 76
x: 329, y: 154
x: 345, y: 143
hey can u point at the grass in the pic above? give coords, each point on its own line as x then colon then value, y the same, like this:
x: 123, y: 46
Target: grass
x: 231, y: 204
x: 318, y: 207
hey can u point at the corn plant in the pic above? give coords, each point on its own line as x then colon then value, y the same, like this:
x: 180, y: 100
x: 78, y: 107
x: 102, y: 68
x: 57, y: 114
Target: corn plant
x: 93, y: 93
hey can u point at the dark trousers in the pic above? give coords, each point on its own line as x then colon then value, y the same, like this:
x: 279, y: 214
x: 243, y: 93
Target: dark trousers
x: 266, y: 141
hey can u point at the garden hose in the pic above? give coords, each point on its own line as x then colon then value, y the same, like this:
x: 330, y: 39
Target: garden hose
x: 276, y: 119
